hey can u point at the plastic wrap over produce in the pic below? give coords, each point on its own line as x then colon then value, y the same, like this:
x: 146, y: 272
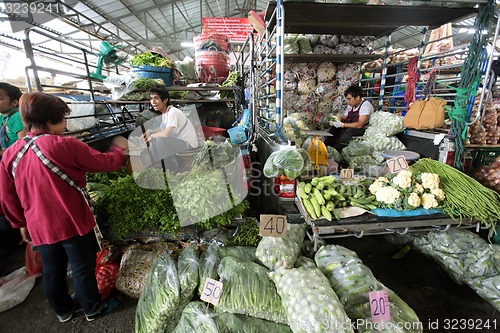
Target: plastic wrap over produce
x: 311, y: 304
x: 230, y: 322
x: 387, y: 123
x: 248, y: 290
x: 352, y: 281
x: 467, y: 258
x: 196, y: 318
x: 209, y: 261
x: 277, y: 252
x: 159, y: 298
x: 188, y: 266
x: 243, y: 253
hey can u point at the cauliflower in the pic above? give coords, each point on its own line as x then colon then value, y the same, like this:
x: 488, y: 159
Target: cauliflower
x: 418, y: 188
x: 414, y: 200
x: 429, y: 201
x: 430, y: 180
x: 387, y: 195
x: 382, y: 179
x: 403, y: 179
x: 438, y: 193
x: 375, y: 186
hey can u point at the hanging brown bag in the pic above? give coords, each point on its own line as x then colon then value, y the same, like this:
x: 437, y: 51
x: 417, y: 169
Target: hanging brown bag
x: 425, y: 114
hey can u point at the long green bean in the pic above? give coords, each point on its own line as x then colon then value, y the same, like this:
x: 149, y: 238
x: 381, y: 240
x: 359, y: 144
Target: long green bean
x: 465, y: 196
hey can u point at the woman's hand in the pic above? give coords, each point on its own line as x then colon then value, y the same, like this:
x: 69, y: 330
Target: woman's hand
x: 25, y: 235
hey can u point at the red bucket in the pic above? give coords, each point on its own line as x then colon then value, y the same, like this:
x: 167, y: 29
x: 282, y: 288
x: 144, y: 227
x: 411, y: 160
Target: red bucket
x: 213, y: 131
x: 211, y: 66
x: 208, y: 40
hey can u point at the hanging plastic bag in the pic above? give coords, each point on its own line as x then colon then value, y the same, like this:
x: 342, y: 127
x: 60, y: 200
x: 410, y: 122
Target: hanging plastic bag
x: 15, y: 287
x: 32, y: 260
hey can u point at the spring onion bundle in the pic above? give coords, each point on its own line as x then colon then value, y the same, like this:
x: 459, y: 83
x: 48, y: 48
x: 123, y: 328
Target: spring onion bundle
x: 159, y: 298
x: 248, y: 290
x: 465, y: 197
x: 235, y: 323
x: 196, y: 319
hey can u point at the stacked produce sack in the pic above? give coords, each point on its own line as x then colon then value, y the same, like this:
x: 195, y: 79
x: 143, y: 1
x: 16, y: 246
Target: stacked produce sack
x: 352, y: 281
x: 484, y: 131
x: 467, y: 258
x: 327, y: 44
x: 312, y: 93
x: 489, y: 175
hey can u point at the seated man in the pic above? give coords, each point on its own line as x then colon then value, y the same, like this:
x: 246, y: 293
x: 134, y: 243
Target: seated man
x: 354, y: 119
x: 176, y: 133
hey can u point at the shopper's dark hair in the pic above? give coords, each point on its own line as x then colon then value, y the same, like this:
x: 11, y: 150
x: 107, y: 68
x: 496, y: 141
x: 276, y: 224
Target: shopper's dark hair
x: 160, y: 91
x: 13, y: 92
x: 37, y: 109
x: 354, y: 91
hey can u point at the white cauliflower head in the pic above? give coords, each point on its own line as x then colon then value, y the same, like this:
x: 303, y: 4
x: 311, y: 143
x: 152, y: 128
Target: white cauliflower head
x: 414, y: 200
x: 382, y: 179
x: 403, y: 179
x: 375, y: 186
x: 430, y: 180
x: 438, y: 193
x: 418, y: 188
x: 429, y: 201
x: 387, y: 195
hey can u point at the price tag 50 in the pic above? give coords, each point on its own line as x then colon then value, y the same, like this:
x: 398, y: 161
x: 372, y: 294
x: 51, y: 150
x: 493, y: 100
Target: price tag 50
x: 273, y: 225
x: 212, y: 291
x: 379, y: 306
x: 397, y: 164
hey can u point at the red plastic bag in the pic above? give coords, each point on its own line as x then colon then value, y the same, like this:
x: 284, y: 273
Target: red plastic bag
x: 106, y: 274
x: 32, y: 260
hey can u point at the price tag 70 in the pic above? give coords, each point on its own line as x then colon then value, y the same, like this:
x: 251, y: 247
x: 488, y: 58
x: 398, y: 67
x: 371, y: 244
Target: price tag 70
x: 379, y: 306
x: 347, y: 174
x: 397, y: 164
x: 212, y: 291
x: 273, y: 225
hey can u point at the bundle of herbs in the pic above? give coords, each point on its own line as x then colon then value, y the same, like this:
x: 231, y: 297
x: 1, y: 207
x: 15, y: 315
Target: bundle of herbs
x: 126, y: 209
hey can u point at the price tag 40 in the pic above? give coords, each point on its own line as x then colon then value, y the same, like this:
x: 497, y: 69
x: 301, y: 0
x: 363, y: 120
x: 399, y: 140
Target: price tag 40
x: 379, y: 306
x: 212, y: 291
x: 273, y: 225
x: 397, y: 164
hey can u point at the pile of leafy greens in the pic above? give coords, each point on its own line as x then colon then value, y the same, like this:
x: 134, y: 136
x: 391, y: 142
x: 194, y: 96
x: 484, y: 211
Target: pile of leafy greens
x: 126, y: 209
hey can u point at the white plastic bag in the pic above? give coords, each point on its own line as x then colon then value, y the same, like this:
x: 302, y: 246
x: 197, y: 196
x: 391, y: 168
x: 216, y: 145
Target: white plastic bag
x: 15, y: 287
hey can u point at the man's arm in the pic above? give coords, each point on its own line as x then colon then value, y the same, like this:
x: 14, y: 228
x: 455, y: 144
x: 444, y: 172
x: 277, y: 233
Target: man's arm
x: 359, y: 124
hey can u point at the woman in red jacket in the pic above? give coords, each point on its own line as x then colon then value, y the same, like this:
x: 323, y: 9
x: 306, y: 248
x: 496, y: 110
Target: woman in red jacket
x: 43, y: 179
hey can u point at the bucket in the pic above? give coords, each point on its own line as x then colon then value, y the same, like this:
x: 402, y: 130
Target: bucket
x: 206, y: 41
x: 213, y: 131
x: 151, y: 72
x: 211, y: 66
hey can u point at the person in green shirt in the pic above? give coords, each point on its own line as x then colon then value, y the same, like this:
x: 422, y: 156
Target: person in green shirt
x: 12, y: 127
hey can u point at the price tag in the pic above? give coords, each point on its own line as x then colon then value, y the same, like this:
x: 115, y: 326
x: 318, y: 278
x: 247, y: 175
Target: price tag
x: 273, y: 225
x: 397, y: 164
x: 212, y: 291
x: 379, y: 306
x: 347, y: 174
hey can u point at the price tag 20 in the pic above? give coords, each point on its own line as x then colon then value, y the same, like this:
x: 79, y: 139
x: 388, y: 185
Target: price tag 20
x: 347, y: 174
x: 273, y: 225
x: 397, y: 164
x: 212, y: 291
x: 379, y: 306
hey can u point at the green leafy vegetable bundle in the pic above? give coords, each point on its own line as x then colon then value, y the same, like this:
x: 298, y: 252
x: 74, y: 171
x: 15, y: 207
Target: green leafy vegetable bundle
x: 248, y: 290
x: 209, y: 261
x: 159, y: 298
x: 236, y: 323
x: 352, y: 281
x: 196, y: 319
x: 151, y: 59
x: 127, y: 209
